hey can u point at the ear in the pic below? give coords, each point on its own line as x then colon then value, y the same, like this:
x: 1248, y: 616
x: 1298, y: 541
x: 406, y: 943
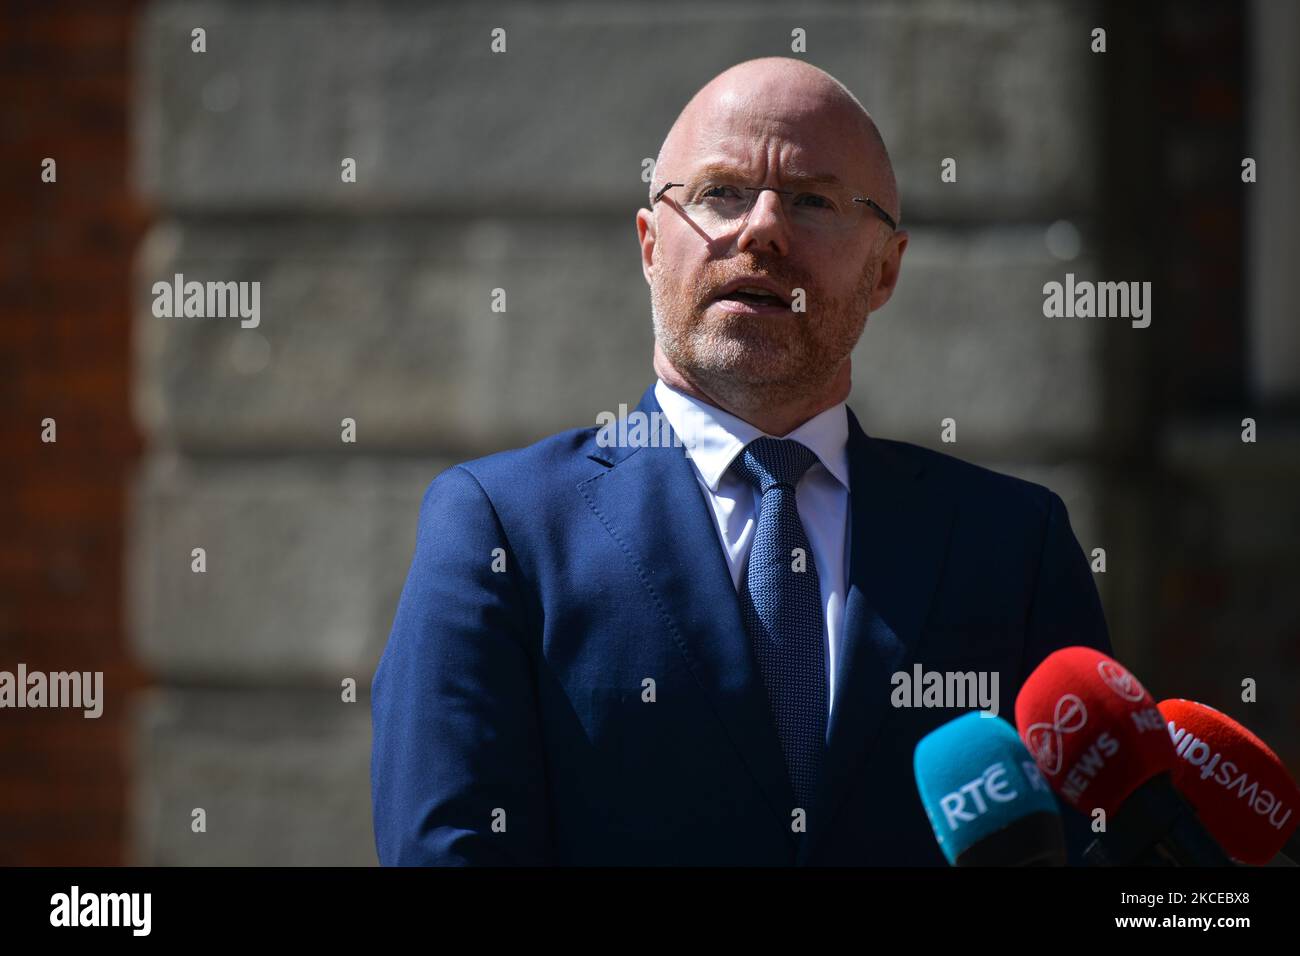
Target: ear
x: 645, y: 235
x: 891, y: 261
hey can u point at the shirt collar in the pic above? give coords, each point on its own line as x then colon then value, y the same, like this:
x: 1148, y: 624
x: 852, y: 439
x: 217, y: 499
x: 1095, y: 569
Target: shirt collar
x: 714, y: 438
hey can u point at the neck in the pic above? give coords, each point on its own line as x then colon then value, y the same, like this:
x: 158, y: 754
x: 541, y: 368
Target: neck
x: 777, y: 418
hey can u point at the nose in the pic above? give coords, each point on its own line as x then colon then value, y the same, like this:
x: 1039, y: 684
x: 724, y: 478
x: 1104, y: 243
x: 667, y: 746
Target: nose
x: 765, y: 228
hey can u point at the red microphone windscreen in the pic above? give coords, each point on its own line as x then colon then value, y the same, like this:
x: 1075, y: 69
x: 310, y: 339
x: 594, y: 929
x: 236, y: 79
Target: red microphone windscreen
x: 1094, y: 731
x: 1239, y: 788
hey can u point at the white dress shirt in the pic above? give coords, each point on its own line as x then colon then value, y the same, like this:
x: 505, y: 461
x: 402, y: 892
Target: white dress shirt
x: 714, y: 438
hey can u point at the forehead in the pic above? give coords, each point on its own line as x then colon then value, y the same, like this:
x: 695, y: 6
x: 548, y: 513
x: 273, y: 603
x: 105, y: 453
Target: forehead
x: 782, y: 136
x: 729, y: 162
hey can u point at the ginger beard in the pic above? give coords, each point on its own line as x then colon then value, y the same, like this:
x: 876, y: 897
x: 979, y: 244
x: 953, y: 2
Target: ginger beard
x: 753, y: 360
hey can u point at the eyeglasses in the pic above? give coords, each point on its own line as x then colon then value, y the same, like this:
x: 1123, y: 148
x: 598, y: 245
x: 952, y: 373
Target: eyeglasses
x: 717, y: 205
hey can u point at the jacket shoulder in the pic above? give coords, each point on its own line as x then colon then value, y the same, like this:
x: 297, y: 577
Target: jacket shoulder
x: 970, y: 483
x: 531, y: 471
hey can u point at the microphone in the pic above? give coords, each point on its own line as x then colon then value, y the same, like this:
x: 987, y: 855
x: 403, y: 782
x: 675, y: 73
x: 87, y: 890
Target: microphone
x: 986, y: 800
x: 1239, y: 787
x: 1101, y: 743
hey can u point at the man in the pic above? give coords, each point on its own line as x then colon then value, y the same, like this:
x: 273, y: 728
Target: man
x: 658, y: 653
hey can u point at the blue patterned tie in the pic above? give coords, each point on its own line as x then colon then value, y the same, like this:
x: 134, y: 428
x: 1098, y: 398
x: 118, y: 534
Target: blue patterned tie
x: 782, y: 609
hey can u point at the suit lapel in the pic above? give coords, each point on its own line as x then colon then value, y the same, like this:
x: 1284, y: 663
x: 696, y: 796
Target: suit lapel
x: 650, y: 502
x: 897, y: 545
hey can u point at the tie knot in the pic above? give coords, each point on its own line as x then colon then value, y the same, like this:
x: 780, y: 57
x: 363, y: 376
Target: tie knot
x: 768, y: 462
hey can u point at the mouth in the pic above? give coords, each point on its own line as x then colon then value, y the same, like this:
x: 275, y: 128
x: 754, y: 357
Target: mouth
x: 753, y: 297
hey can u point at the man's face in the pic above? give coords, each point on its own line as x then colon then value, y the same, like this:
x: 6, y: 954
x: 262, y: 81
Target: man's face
x: 727, y: 343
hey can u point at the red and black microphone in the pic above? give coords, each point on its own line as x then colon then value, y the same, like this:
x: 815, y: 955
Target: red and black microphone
x: 1102, y: 743
x: 1238, y: 786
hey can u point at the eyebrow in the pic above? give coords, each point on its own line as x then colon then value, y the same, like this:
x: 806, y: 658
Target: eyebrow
x: 726, y: 169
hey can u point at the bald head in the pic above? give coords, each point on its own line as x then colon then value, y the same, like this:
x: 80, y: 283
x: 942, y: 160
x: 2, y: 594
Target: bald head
x: 813, y: 113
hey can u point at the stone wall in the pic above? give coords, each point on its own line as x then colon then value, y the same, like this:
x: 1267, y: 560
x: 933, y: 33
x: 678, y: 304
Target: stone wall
x: 519, y: 171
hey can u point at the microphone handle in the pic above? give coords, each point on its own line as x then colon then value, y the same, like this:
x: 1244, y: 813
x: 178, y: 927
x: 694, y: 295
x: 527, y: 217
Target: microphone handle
x: 1189, y: 841
x: 1155, y: 826
x: 1291, y: 848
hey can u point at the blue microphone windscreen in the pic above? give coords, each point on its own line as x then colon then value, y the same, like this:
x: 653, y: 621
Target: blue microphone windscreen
x: 975, y: 778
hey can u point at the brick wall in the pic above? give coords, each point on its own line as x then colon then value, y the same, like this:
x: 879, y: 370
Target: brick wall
x: 65, y: 253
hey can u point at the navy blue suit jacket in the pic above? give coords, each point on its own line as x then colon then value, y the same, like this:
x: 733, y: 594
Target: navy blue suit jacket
x: 549, y: 582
